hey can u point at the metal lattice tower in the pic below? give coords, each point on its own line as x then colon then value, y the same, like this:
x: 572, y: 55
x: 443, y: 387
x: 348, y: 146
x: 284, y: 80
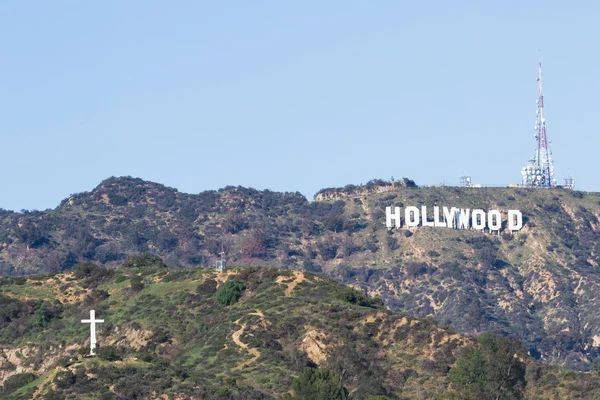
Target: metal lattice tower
x: 539, y: 172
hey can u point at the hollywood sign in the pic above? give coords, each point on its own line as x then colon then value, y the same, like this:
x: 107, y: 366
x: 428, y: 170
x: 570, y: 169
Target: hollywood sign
x: 453, y: 218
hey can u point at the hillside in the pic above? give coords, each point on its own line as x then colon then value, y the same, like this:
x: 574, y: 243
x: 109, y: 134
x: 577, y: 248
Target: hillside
x: 242, y: 334
x: 539, y: 285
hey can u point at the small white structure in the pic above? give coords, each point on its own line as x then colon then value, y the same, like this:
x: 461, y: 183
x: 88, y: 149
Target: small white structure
x: 465, y: 181
x: 92, y: 321
x: 569, y: 183
x: 220, y: 267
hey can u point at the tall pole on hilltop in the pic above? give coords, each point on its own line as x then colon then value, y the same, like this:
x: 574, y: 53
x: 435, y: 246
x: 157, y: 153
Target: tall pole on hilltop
x: 539, y: 172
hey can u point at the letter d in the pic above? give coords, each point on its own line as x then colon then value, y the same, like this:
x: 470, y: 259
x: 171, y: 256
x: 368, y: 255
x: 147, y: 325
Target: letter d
x: 515, y: 220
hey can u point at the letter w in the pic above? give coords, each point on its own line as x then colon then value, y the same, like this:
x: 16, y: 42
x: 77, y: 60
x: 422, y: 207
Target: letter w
x: 463, y: 220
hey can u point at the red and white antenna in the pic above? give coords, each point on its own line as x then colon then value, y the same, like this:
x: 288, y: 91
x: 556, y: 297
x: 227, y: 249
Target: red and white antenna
x: 539, y: 172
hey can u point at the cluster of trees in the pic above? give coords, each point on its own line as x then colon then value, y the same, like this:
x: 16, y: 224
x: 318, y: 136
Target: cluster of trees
x: 14, y: 382
x: 126, y: 215
x: 369, y: 186
x: 493, y: 370
x: 18, y: 316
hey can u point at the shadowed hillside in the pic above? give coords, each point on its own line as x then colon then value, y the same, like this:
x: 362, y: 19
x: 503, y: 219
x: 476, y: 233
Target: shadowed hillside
x: 539, y: 285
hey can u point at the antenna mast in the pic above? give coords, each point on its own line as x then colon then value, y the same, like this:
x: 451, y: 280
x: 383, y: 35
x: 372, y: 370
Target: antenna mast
x: 539, y: 172
x: 220, y: 267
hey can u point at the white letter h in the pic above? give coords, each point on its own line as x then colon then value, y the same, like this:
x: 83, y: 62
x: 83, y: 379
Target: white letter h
x: 389, y: 217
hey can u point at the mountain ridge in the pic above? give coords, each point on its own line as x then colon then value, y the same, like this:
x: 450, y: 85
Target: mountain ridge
x: 538, y: 285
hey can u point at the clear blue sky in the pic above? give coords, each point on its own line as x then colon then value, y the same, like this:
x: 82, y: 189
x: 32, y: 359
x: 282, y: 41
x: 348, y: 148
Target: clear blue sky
x: 290, y: 95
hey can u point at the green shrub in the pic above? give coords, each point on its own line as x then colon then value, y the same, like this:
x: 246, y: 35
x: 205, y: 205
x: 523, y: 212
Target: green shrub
x: 230, y: 292
x: 451, y: 270
x: 577, y: 194
x: 353, y: 296
x: 414, y: 269
x: 144, y: 261
x: 19, y: 281
x: 392, y: 243
x: 83, y: 351
x: 17, y: 381
x: 83, y: 270
x: 52, y: 395
x: 137, y: 284
x: 64, y: 379
x: 207, y: 288
x: 319, y: 384
x: 108, y: 353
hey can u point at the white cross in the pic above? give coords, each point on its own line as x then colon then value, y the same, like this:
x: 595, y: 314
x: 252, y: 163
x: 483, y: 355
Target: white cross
x: 92, y: 321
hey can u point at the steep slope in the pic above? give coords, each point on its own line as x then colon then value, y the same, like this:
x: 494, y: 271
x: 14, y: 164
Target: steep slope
x: 171, y: 332
x: 539, y: 285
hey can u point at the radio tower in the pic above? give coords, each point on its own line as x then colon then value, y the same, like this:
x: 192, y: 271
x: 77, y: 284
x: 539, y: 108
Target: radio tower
x: 539, y: 172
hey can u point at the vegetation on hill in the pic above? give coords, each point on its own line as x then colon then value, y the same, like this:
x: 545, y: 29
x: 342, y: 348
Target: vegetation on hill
x: 289, y: 335
x: 540, y: 285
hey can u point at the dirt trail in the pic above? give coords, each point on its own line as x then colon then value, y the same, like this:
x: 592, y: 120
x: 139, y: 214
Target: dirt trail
x: 236, y: 339
x: 298, y: 278
x: 263, y: 322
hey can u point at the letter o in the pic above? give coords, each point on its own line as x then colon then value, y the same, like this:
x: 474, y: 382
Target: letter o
x: 478, y: 223
x: 494, y: 220
x: 411, y: 216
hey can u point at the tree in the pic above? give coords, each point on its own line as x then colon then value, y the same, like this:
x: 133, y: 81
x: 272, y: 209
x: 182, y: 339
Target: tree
x: 137, y: 284
x: 83, y: 269
x: 596, y: 365
x: 230, y: 292
x: 41, y: 317
x: 319, y: 384
x: 328, y: 248
x: 166, y: 241
x: 109, y: 353
x: 52, y: 395
x: 14, y: 382
x: 493, y: 370
x: 334, y: 222
x: 254, y: 246
x: 64, y: 379
x: 235, y: 223
x: 488, y: 255
x: 144, y: 261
